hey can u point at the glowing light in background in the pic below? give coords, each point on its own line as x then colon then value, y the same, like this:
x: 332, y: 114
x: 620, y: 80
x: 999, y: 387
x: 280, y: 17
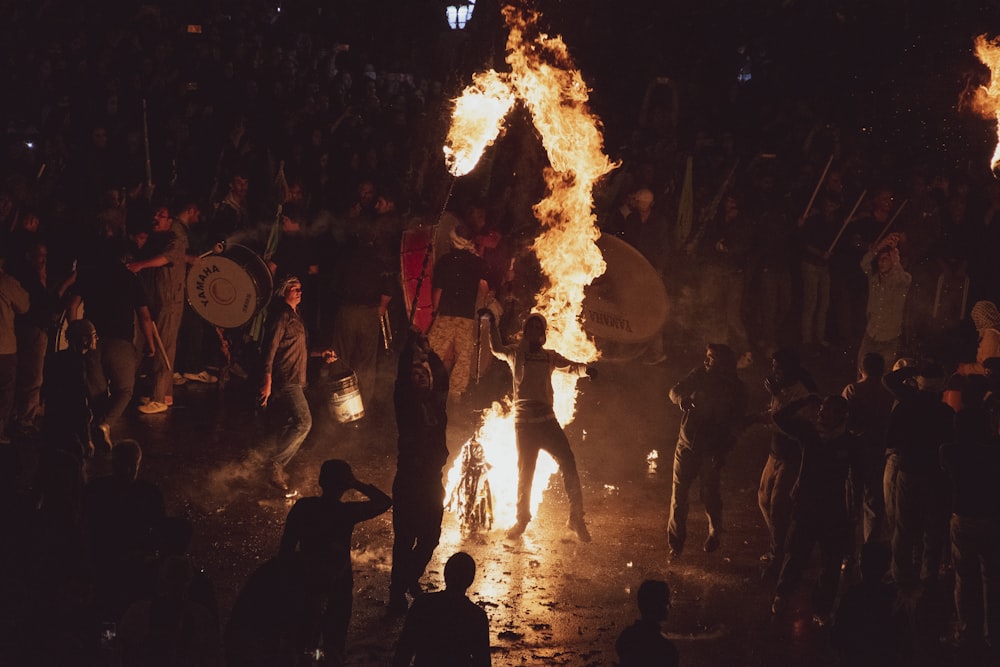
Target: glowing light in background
x: 459, y: 15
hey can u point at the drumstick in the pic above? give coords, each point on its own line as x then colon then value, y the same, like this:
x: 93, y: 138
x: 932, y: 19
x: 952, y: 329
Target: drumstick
x: 163, y: 350
x: 216, y: 249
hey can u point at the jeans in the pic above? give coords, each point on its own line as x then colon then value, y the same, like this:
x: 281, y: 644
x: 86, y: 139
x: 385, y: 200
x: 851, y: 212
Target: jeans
x: 120, y: 360
x: 690, y: 463
x: 418, y: 507
x: 874, y: 492
x: 356, y: 339
x: 547, y: 435
x: 919, y: 530
x: 168, y: 323
x: 975, y: 554
x: 32, y: 343
x: 815, y: 302
x: 775, y: 499
x: 828, y: 527
x: 8, y: 375
x: 291, y: 401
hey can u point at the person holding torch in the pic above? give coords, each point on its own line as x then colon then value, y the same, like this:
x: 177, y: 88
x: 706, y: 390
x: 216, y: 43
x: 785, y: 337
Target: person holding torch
x: 535, y: 424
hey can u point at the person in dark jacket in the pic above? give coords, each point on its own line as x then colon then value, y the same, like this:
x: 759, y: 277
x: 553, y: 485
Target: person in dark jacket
x: 420, y: 397
x: 919, y: 424
x: 788, y: 382
x: 285, y: 355
x: 643, y: 644
x: 820, y: 512
x: 972, y: 465
x: 318, y: 532
x: 713, y: 400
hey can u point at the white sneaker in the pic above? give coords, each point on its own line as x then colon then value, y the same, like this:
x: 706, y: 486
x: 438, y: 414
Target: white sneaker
x: 153, y: 408
x: 203, y: 376
x: 179, y: 379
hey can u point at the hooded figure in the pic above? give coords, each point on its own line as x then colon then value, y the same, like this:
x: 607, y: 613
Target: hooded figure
x: 986, y: 318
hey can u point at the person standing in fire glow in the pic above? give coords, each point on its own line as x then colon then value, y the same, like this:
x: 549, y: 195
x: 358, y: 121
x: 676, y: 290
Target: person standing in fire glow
x: 535, y: 425
x: 285, y: 356
x: 713, y: 400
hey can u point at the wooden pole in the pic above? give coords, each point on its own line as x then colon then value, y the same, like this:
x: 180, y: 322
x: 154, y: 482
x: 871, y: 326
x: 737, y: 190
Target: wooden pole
x: 888, y: 225
x: 819, y: 184
x: 847, y: 221
x: 163, y: 350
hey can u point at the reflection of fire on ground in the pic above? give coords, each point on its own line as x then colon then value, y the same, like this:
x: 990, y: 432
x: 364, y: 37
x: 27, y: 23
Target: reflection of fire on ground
x: 543, y: 78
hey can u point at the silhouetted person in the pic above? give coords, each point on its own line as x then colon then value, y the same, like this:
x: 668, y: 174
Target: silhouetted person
x: 787, y: 382
x: 643, y: 644
x: 535, y: 424
x: 820, y: 512
x: 867, y: 630
x: 320, y: 528
x: 919, y: 424
x: 269, y: 621
x: 868, y: 407
x: 713, y: 400
x: 170, y: 628
x: 420, y: 397
x: 972, y: 464
x: 446, y: 628
x: 123, y: 514
x: 72, y: 380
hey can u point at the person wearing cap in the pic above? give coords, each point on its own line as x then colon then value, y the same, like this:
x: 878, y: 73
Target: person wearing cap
x: 282, y: 388
x: 713, y: 401
x: 14, y: 300
x: 535, y: 424
x: 920, y: 423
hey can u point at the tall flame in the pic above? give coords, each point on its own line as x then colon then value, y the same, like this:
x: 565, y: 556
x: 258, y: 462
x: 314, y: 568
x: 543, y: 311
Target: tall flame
x: 987, y: 98
x: 477, y: 121
x: 545, y: 80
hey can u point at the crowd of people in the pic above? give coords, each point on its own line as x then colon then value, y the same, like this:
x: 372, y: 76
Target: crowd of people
x: 136, y: 149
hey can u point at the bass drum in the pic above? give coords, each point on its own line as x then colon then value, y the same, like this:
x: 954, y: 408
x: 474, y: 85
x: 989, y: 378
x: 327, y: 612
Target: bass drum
x: 625, y: 308
x: 229, y: 288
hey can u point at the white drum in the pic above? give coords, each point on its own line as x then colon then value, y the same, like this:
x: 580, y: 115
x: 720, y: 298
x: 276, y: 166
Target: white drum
x: 229, y: 288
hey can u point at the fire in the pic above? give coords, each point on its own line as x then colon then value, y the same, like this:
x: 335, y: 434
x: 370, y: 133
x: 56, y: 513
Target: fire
x: 544, y: 79
x: 987, y: 98
x: 477, y: 121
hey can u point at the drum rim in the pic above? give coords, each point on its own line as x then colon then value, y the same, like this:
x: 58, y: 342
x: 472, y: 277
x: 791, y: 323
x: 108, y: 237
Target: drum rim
x: 253, y: 267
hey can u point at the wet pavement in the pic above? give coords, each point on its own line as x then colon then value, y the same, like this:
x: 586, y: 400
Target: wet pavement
x: 551, y: 599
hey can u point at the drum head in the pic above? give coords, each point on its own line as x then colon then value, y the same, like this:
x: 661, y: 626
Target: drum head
x: 627, y: 305
x: 228, y: 289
